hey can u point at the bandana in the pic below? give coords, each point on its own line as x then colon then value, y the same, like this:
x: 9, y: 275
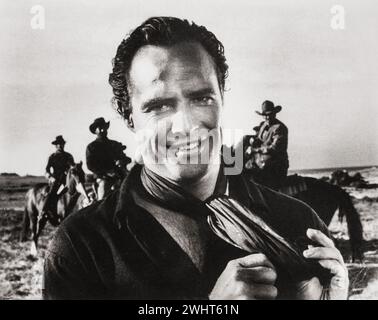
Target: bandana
x: 236, y: 221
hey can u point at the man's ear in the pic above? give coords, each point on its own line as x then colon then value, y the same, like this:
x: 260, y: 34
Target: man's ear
x: 130, y: 123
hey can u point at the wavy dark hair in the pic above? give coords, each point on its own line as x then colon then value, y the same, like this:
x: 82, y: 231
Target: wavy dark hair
x: 163, y: 31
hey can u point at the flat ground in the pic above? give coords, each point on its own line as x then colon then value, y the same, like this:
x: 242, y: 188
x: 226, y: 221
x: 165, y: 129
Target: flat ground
x: 21, y: 276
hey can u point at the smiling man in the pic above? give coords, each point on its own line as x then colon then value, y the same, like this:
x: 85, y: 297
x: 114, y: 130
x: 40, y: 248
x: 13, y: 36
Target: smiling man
x: 151, y: 239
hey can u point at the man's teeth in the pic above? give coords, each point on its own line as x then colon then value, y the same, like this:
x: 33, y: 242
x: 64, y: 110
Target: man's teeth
x: 189, y: 146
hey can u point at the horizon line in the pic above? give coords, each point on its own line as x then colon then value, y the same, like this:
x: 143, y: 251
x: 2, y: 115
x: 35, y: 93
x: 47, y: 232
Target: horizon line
x: 290, y: 170
x: 337, y: 167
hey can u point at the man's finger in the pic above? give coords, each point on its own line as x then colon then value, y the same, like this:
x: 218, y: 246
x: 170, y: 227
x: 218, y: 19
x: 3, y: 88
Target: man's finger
x: 323, y: 253
x: 263, y: 275
x: 266, y: 292
x: 254, y: 260
x: 320, y: 238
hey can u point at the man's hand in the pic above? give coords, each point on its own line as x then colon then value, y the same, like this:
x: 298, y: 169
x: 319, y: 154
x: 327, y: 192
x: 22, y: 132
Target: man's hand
x: 248, y: 278
x: 260, y: 150
x: 329, y: 258
x: 51, y: 179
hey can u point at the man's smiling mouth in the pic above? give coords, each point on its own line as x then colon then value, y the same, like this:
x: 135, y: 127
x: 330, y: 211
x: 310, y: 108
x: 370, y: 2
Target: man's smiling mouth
x: 190, y: 147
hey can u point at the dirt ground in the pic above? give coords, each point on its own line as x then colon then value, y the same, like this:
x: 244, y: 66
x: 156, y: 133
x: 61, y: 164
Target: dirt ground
x: 21, y: 275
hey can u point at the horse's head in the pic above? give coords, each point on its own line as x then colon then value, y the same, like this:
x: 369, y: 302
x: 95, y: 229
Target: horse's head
x: 76, y: 179
x: 76, y: 174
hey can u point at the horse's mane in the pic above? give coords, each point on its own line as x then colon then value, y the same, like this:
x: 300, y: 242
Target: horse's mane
x: 70, y: 183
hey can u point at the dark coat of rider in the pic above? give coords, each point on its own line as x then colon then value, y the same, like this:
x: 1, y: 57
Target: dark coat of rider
x: 102, y: 155
x: 270, y: 147
x: 273, y: 140
x: 60, y: 161
x: 57, y: 166
x: 105, y: 158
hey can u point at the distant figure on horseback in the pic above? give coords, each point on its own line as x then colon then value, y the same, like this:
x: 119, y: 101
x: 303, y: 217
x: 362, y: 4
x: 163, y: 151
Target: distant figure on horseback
x: 72, y: 199
x: 105, y: 158
x: 56, y: 170
x: 266, y: 162
x: 268, y: 148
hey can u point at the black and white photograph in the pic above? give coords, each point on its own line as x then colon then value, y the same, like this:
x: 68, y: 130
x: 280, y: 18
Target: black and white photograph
x: 188, y: 150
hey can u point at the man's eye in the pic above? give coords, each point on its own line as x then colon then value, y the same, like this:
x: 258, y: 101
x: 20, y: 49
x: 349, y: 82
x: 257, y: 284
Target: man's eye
x: 163, y: 107
x: 160, y: 108
x: 206, y: 101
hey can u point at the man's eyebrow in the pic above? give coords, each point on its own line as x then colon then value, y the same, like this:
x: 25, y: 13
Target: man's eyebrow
x: 200, y: 93
x: 156, y: 101
x: 150, y: 103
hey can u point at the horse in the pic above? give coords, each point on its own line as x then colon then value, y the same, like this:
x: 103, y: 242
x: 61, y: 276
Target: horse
x: 326, y: 199
x: 323, y: 197
x: 74, y: 198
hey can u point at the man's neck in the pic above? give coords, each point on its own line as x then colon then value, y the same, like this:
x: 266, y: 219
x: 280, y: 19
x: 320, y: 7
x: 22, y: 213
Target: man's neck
x: 271, y: 122
x: 205, y: 186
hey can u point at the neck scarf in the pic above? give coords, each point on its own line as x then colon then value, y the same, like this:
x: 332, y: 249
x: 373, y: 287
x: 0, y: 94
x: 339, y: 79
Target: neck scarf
x: 170, y: 194
x: 236, y: 224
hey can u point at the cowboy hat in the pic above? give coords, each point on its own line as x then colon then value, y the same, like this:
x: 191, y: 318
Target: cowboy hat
x: 268, y: 108
x: 98, y: 123
x: 58, y: 140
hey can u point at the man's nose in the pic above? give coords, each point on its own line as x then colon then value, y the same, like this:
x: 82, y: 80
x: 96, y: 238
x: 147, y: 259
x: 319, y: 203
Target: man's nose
x: 183, y: 120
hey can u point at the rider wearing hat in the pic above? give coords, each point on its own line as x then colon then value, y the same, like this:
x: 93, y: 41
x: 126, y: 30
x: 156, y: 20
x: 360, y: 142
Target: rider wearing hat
x: 57, y: 165
x: 59, y: 162
x: 105, y: 157
x: 271, y: 143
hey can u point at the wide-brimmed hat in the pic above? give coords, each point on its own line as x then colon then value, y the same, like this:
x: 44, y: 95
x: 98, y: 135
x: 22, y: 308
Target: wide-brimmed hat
x: 58, y: 140
x: 268, y: 108
x: 98, y: 123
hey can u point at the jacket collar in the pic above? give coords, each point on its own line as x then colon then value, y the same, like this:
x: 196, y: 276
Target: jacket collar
x: 125, y: 200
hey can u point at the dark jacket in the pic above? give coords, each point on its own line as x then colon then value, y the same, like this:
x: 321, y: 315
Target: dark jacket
x: 60, y: 162
x: 102, y: 154
x: 115, y: 249
x: 274, y: 140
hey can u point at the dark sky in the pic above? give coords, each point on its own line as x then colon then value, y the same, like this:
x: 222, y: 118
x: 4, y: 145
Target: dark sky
x: 54, y: 81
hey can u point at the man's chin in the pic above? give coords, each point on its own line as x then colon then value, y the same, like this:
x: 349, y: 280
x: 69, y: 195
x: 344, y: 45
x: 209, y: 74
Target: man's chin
x: 187, y: 173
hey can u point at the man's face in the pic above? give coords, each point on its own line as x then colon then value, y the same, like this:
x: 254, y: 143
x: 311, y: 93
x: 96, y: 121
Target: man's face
x: 59, y: 147
x: 101, y: 132
x: 270, y: 117
x: 176, y: 103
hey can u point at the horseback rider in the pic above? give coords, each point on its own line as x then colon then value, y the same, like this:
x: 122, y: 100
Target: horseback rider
x: 105, y: 158
x: 270, y: 146
x: 57, y: 165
